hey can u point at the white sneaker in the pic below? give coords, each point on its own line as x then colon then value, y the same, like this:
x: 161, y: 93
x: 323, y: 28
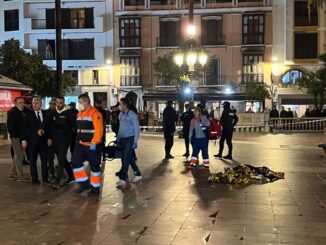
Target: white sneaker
x: 121, y: 183
x: 136, y: 179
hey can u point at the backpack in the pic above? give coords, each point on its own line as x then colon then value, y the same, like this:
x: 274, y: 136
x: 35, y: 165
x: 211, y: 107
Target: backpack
x: 214, y: 130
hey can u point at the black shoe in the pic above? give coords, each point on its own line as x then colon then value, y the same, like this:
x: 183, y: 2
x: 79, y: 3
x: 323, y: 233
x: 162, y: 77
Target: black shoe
x: 36, y: 182
x: 218, y: 155
x: 228, y: 157
x: 69, y: 181
x: 56, y: 186
x: 82, y: 188
x: 94, y: 192
x: 186, y: 154
x: 25, y: 162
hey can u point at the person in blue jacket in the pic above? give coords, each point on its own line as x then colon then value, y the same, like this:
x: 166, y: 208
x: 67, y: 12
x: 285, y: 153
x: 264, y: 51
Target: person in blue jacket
x: 198, y: 135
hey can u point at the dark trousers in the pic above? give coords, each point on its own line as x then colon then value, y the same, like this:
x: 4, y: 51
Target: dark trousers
x: 226, y: 135
x: 200, y: 145
x: 50, y: 159
x: 185, y: 134
x: 72, y: 144
x: 61, y: 149
x: 168, y: 142
x: 128, y: 158
x: 81, y: 154
x: 35, y: 150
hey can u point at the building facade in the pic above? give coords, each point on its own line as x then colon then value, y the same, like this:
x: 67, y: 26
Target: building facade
x: 298, y: 40
x: 237, y: 36
x: 87, y: 39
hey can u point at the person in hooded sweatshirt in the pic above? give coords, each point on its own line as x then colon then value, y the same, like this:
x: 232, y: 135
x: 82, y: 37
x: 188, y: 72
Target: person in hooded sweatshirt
x: 63, y: 125
x: 229, y: 119
x: 198, y: 136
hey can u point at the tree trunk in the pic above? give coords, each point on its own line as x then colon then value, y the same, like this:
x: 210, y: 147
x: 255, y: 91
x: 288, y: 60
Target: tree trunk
x: 58, y: 47
x: 321, y: 102
x: 263, y: 104
x: 315, y: 100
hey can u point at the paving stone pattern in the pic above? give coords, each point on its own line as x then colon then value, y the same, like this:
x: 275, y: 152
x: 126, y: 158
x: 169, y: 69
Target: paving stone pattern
x: 173, y: 205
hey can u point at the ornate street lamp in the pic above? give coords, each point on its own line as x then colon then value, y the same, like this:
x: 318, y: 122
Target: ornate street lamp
x: 202, y: 58
x: 178, y: 59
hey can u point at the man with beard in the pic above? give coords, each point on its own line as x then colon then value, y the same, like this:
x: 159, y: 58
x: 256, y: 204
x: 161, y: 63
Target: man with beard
x: 63, y: 125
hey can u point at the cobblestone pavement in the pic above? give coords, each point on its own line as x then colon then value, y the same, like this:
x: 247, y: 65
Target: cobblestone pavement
x: 172, y: 205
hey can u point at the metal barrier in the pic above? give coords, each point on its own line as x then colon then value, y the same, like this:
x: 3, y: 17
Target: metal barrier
x: 303, y: 124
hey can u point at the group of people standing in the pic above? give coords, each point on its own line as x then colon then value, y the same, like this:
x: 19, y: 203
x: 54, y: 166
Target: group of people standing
x: 196, y: 129
x: 46, y: 133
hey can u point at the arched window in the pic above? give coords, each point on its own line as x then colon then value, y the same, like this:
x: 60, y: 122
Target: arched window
x: 291, y: 76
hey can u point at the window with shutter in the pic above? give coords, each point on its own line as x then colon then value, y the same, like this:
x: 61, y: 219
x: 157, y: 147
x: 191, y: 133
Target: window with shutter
x: 50, y: 18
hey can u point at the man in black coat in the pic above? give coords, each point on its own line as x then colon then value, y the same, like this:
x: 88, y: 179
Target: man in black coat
x: 63, y: 126
x: 186, y: 118
x: 16, y: 127
x: 274, y: 113
x: 229, y: 119
x: 170, y: 117
x: 50, y: 155
x: 74, y: 112
x: 38, y: 136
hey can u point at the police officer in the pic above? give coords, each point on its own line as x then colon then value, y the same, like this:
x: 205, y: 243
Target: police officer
x: 88, y: 147
x: 228, y: 120
x: 186, y: 118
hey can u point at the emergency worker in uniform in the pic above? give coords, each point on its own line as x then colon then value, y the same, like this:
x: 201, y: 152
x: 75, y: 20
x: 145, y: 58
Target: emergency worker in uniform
x: 229, y: 119
x: 88, y: 147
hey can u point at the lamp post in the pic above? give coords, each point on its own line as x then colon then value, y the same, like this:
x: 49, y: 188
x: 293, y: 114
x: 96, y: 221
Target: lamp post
x: 58, y: 48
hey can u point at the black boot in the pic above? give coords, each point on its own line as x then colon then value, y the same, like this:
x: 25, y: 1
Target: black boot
x: 218, y: 155
x: 228, y: 157
x: 186, y: 154
x: 84, y: 186
x: 94, y: 192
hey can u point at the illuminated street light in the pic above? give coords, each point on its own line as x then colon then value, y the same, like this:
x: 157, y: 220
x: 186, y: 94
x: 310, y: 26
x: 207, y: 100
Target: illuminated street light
x: 228, y: 90
x: 191, y: 30
x: 191, y: 60
x: 108, y: 62
x: 178, y: 59
x: 187, y: 90
x: 202, y: 58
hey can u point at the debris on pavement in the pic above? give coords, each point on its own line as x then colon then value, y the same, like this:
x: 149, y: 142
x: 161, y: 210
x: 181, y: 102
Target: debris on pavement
x: 246, y: 174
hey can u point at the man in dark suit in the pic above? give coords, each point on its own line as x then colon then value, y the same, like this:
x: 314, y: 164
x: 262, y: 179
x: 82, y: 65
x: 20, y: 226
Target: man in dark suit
x: 38, y: 135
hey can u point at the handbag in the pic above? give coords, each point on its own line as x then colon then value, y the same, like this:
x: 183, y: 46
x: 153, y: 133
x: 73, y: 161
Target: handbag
x: 112, y: 151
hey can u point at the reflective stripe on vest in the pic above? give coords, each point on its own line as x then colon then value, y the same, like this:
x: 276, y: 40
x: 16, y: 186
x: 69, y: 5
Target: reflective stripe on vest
x: 85, y: 127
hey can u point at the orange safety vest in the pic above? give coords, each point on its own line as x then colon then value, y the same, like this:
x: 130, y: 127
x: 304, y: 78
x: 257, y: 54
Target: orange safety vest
x: 89, y: 127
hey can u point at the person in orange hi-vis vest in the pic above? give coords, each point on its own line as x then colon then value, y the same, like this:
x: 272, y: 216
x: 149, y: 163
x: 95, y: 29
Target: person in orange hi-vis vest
x: 88, y: 147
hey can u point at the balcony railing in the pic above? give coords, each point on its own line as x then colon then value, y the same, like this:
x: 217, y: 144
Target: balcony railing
x: 41, y: 24
x: 202, y: 82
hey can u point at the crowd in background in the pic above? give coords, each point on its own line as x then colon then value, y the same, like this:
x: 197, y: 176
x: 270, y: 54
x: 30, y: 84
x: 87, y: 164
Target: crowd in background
x: 315, y: 112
